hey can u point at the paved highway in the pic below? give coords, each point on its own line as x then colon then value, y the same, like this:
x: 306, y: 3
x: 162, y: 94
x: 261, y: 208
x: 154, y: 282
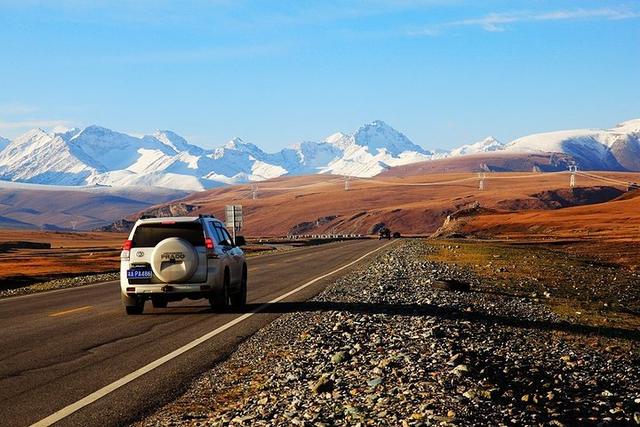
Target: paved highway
x: 58, y: 347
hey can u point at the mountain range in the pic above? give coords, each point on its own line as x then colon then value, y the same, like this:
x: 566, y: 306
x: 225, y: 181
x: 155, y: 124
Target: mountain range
x: 100, y: 156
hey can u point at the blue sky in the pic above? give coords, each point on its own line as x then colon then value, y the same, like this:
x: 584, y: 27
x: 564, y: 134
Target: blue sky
x: 277, y: 72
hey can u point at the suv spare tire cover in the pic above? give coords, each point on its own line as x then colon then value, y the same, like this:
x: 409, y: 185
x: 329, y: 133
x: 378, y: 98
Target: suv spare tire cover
x: 174, y: 260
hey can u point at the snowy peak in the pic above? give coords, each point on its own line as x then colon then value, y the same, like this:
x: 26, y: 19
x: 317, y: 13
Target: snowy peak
x: 489, y: 142
x: 617, y: 148
x: 378, y: 135
x: 373, y: 148
x: 238, y: 144
x: 31, y: 136
x: 176, y: 142
x: 486, y: 145
x: 39, y: 157
x: 630, y: 126
x: 240, y: 150
x: 107, y: 150
x: 99, y: 156
x: 339, y: 140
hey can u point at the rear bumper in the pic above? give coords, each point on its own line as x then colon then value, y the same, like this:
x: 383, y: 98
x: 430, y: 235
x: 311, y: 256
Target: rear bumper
x: 166, y: 288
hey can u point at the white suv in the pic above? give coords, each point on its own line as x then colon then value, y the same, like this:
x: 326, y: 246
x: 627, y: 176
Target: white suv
x: 169, y: 259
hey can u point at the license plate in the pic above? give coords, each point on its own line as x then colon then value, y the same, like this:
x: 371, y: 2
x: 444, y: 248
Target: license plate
x: 139, y: 273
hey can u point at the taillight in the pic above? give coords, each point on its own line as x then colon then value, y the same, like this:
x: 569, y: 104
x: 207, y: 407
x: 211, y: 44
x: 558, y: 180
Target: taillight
x: 208, y: 243
x: 126, y: 247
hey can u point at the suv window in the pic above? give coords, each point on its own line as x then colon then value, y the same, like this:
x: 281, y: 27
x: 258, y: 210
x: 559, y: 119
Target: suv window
x: 149, y: 235
x: 225, y: 236
x: 214, y: 232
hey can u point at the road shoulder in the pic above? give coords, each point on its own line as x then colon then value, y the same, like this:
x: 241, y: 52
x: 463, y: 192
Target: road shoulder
x: 383, y: 343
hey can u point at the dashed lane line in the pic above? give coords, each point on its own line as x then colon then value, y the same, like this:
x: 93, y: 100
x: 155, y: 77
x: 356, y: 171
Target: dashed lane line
x: 98, y: 394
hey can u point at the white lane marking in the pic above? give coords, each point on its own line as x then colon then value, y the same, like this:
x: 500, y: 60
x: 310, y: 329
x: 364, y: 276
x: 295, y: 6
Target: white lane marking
x: 68, y: 410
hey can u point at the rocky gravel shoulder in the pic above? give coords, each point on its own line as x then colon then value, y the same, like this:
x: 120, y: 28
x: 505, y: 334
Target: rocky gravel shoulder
x: 387, y: 344
x: 62, y: 283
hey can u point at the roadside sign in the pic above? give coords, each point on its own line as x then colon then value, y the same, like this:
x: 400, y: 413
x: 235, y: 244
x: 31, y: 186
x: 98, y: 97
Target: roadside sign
x: 233, y: 218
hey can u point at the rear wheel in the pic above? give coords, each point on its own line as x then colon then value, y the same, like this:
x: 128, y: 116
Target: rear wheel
x: 159, y: 301
x: 133, y: 305
x: 220, y: 300
x: 239, y: 299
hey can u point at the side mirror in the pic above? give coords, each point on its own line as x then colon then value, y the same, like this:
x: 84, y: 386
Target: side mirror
x: 240, y: 241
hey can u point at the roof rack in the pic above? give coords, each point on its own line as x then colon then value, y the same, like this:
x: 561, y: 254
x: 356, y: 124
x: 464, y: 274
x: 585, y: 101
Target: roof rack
x: 206, y: 216
x: 147, y: 216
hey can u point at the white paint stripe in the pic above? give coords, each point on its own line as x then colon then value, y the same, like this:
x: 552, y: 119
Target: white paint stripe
x: 68, y: 410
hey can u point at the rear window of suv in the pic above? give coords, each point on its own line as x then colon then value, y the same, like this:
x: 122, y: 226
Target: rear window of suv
x: 149, y: 235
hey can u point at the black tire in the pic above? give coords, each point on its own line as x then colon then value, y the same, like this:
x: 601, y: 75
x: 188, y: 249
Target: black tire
x: 219, y: 301
x: 135, y: 309
x: 159, y: 301
x: 239, y: 299
x: 133, y: 304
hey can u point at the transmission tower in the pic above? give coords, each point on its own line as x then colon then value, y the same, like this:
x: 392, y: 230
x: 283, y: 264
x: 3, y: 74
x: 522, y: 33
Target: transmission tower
x: 481, y: 176
x: 254, y: 191
x: 347, y: 184
x: 572, y: 180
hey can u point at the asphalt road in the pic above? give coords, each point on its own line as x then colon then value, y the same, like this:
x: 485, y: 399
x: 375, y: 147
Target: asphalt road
x: 59, y: 347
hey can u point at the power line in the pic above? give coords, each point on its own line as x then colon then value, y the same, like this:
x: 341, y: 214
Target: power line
x: 610, y: 180
x: 481, y: 176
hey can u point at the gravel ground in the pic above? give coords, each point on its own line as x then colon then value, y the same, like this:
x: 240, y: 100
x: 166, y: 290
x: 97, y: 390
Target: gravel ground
x: 385, y: 345
x: 67, y: 282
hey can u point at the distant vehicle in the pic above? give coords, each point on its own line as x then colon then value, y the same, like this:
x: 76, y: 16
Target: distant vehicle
x: 385, y: 233
x: 397, y: 235
x: 173, y: 258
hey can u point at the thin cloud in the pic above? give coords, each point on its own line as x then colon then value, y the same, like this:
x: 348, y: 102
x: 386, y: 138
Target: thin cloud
x: 496, y: 22
x: 30, y: 124
x: 17, y: 109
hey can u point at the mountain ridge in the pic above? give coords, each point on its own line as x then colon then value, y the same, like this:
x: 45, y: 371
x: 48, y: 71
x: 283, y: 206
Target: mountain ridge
x: 97, y: 155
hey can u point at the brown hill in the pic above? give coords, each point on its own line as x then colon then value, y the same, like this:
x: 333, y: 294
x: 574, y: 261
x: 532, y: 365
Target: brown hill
x: 57, y: 208
x: 609, y: 231
x: 617, y: 219
x: 417, y: 204
x: 486, y: 162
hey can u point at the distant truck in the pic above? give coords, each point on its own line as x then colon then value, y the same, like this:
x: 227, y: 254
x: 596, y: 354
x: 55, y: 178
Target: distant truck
x: 384, y: 233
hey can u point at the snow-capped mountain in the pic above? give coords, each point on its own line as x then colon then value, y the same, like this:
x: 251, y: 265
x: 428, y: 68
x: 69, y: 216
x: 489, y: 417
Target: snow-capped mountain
x: 372, y: 149
x: 617, y: 148
x: 100, y: 156
x: 487, y: 145
x: 4, y: 142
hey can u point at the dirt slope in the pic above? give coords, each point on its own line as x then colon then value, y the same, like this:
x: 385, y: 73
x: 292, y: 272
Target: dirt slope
x: 320, y: 204
x: 494, y: 162
x: 58, y: 208
x: 617, y: 219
